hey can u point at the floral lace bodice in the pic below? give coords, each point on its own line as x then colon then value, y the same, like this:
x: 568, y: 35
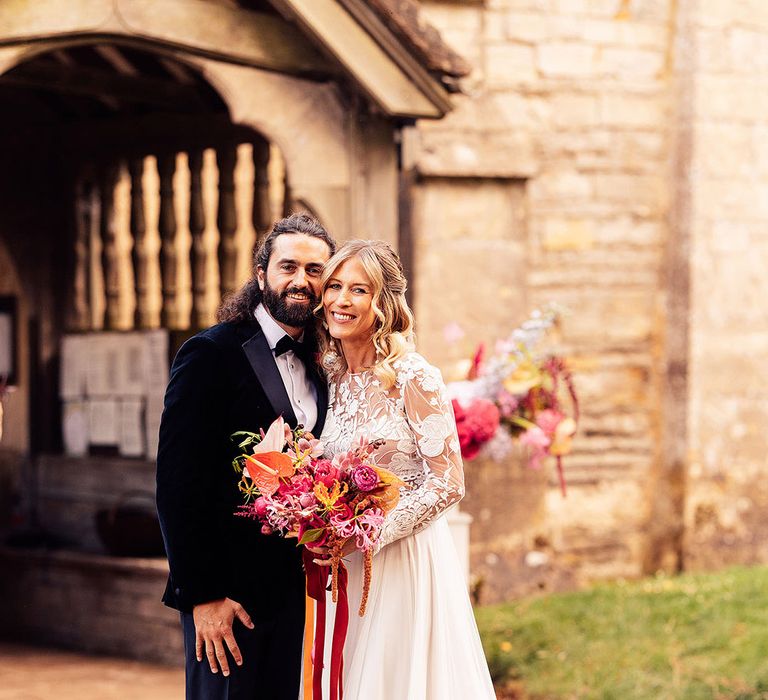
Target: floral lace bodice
x: 415, y: 420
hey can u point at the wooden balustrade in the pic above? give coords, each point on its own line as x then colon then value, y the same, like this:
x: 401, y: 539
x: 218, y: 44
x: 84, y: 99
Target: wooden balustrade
x: 227, y: 219
x: 136, y: 211
x: 109, y: 261
x: 140, y: 256
x: 80, y: 318
x: 198, y: 252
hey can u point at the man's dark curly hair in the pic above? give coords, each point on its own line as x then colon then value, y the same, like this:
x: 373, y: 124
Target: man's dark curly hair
x: 239, y: 306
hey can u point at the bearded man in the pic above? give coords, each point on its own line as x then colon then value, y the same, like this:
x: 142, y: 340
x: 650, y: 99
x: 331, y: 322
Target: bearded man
x: 241, y: 593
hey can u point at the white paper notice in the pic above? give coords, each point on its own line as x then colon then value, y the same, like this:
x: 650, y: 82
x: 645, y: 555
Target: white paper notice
x: 75, y: 428
x: 103, y: 369
x: 156, y: 358
x: 74, y: 366
x: 103, y: 422
x: 132, y: 361
x: 131, y: 428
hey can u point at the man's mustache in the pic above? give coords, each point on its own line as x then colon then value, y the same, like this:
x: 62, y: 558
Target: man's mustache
x: 298, y: 290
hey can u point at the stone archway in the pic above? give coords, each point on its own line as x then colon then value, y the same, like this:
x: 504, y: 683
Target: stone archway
x: 254, y: 60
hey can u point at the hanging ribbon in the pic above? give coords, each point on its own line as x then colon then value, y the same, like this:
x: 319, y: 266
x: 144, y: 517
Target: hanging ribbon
x: 317, y: 583
x: 309, y: 640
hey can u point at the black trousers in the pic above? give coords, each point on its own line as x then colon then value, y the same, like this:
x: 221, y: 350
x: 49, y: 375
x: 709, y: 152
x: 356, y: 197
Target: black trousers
x: 271, y: 667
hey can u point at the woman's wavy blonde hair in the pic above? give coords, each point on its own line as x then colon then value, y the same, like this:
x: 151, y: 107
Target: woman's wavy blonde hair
x: 393, y: 333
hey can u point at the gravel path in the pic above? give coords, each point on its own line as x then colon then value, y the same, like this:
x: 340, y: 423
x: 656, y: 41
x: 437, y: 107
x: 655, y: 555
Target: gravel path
x: 30, y: 673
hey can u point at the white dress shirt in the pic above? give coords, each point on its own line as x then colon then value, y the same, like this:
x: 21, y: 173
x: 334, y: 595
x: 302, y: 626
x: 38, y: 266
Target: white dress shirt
x: 301, y: 390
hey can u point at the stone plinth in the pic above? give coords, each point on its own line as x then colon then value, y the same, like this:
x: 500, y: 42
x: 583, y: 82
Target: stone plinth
x: 89, y: 602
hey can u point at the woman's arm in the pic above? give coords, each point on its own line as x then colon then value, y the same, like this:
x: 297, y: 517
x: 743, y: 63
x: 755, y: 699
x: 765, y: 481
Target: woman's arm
x: 430, y: 417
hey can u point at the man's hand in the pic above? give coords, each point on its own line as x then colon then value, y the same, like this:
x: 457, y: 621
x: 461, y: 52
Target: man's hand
x: 213, y: 629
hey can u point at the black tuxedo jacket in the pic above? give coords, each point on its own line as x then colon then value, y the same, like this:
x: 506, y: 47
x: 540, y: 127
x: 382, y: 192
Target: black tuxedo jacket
x: 223, y: 380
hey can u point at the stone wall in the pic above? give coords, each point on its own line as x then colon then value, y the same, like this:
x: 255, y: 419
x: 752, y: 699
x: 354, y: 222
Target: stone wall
x: 551, y: 182
x: 727, y: 497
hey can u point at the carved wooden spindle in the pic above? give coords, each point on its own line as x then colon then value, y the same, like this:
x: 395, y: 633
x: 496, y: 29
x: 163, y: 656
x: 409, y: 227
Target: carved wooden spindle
x: 169, y: 262
x: 109, y: 251
x: 227, y: 220
x: 198, y: 253
x: 95, y: 276
x: 81, y: 283
x: 245, y: 190
x: 142, y: 314
x: 262, y: 216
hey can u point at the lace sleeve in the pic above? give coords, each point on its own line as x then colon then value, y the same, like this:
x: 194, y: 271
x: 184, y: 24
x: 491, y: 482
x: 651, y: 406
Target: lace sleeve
x: 430, y: 417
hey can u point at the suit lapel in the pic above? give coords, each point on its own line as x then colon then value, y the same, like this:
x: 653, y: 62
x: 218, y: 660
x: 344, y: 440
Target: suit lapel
x: 263, y: 364
x: 322, y: 399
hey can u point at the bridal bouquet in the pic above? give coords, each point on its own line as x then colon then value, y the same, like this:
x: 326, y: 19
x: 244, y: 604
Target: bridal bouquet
x: 518, y: 395
x: 292, y: 492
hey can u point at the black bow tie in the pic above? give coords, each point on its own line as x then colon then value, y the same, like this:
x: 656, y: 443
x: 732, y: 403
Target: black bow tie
x: 286, y: 343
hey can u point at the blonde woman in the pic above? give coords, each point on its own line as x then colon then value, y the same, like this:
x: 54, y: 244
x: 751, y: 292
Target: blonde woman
x: 418, y: 639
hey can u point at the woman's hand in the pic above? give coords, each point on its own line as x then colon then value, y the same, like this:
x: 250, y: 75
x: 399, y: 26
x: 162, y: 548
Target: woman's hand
x: 323, y: 554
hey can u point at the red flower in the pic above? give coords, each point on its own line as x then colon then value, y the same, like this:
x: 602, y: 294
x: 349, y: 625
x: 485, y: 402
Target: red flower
x: 326, y: 473
x: 476, y: 425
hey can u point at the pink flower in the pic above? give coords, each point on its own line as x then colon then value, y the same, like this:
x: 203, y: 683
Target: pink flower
x: 367, y: 528
x: 260, y: 507
x: 346, y: 463
x: 507, y: 403
x: 343, y: 521
x: 365, y: 478
x: 548, y: 420
x: 453, y: 332
x: 307, y: 500
x: 538, y: 442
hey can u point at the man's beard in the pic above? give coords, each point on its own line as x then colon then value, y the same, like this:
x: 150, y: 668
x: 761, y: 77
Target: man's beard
x: 284, y: 310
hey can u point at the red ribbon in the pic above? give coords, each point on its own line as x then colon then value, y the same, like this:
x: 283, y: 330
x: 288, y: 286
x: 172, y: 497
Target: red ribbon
x: 317, y: 583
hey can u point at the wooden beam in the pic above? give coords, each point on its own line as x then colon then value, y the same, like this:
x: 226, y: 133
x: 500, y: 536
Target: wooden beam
x: 362, y: 56
x: 151, y: 134
x: 198, y: 27
x: 115, y: 58
x: 369, y: 20
x: 97, y: 83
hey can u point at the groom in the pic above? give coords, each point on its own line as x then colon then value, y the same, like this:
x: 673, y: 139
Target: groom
x: 240, y: 593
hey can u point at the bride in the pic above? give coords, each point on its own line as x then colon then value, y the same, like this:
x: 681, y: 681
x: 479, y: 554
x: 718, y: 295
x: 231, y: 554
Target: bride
x: 418, y: 639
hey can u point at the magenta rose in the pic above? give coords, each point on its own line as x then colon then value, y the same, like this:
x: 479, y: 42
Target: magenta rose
x: 365, y: 478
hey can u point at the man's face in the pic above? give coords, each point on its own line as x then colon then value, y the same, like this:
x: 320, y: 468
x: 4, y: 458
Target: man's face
x: 291, y: 283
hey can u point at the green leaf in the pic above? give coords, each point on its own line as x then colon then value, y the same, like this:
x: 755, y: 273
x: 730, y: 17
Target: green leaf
x: 312, y: 535
x: 251, y: 438
x: 522, y: 422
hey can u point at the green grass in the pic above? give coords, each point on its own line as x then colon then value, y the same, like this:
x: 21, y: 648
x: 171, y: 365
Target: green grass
x: 697, y: 637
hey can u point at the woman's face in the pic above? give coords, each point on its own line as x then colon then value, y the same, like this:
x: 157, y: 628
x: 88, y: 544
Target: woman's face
x: 348, y: 302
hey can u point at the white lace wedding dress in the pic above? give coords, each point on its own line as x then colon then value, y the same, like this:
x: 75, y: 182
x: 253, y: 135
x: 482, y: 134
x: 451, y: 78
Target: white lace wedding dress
x: 418, y: 639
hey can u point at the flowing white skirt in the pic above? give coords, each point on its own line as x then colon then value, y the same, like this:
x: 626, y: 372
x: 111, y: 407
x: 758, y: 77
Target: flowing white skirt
x: 418, y: 639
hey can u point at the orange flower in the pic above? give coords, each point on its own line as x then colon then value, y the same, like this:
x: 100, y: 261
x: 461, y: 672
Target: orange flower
x: 266, y: 468
x: 329, y: 498
x: 387, y: 495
